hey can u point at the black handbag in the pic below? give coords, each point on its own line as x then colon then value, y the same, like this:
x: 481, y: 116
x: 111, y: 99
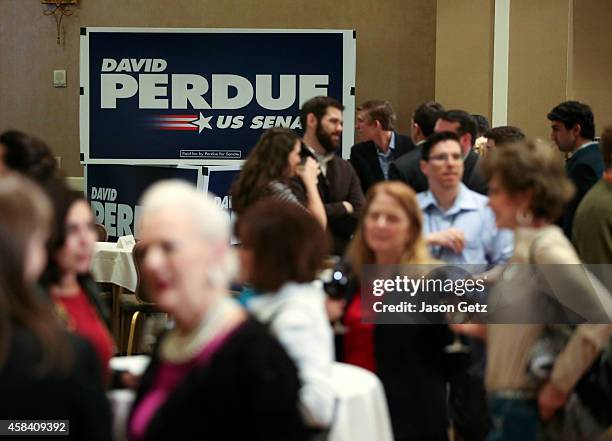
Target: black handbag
x: 595, y: 387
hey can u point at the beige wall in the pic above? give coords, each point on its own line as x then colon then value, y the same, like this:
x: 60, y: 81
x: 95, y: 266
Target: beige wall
x: 559, y: 50
x: 395, y: 51
x: 539, y: 62
x: 464, y: 55
x: 592, y: 58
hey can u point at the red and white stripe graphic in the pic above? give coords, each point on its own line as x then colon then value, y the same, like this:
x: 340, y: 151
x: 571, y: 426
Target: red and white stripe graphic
x: 175, y: 122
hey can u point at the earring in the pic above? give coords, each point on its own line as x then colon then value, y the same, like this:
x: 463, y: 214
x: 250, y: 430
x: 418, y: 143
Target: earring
x: 524, y: 218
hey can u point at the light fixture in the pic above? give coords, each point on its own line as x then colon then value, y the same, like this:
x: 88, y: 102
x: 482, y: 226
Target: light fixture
x: 59, y: 9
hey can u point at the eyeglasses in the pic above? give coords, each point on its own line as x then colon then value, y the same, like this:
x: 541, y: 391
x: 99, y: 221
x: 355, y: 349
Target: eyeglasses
x: 443, y: 157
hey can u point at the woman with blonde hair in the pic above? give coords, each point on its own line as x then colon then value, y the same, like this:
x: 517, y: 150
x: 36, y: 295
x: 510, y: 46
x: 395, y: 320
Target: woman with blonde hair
x: 365, y: 249
x: 407, y: 358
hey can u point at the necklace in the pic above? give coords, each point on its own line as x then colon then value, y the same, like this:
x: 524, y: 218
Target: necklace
x: 179, y: 348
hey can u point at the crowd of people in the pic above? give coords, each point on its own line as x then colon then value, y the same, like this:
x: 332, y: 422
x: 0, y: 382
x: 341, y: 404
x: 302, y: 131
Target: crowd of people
x: 259, y: 365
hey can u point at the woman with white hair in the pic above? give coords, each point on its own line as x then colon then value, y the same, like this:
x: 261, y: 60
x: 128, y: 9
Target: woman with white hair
x: 218, y: 374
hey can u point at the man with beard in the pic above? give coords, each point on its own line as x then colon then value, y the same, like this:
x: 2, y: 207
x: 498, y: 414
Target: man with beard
x: 339, y: 186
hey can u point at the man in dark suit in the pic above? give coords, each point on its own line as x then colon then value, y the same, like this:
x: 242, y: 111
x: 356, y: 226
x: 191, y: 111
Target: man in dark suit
x: 573, y: 131
x: 380, y: 145
x: 339, y: 187
x: 464, y: 126
x: 408, y: 168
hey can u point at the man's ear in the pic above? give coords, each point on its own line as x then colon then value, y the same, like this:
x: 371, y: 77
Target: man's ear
x: 416, y: 128
x: 576, y: 129
x: 311, y: 121
x: 466, y: 143
x: 424, y: 167
x: 416, y: 132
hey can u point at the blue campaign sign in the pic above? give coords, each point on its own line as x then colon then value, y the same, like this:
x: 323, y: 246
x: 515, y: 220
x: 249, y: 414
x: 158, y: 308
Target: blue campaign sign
x: 203, y: 96
x: 218, y: 181
x: 115, y: 190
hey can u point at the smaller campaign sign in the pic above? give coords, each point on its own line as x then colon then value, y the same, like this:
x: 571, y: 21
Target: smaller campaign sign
x: 218, y: 181
x: 114, y: 192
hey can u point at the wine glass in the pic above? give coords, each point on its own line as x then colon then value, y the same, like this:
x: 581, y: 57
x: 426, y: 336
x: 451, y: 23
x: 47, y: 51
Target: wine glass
x: 457, y: 346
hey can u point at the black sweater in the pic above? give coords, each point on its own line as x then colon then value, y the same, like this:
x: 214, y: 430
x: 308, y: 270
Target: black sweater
x: 76, y: 395
x: 247, y: 391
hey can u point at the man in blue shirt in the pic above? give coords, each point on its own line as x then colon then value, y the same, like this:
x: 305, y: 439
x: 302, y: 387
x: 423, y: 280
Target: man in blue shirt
x: 459, y: 226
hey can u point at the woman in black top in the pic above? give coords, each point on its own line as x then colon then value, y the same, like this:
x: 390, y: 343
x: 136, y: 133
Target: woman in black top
x: 44, y: 373
x: 218, y: 374
x: 270, y: 170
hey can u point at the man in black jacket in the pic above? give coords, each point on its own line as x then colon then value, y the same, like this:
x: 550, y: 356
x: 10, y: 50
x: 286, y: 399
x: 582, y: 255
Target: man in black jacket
x: 339, y: 187
x: 573, y: 131
x: 407, y: 168
x: 464, y: 126
x: 380, y: 145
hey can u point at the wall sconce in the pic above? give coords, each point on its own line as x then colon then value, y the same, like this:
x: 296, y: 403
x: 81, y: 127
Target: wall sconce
x: 59, y: 9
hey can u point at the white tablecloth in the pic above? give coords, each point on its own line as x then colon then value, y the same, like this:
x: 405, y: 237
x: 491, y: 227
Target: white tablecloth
x: 134, y: 364
x: 114, y: 265
x: 121, y: 402
x: 121, y: 399
x: 361, y: 412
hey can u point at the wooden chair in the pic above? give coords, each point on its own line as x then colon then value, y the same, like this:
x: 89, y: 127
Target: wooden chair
x: 136, y: 305
x: 105, y: 288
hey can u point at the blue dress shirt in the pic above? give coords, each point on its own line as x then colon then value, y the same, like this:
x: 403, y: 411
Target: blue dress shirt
x: 484, y: 242
x: 385, y: 159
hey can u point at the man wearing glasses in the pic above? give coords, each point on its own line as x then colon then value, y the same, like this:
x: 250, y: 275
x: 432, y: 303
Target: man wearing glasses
x: 459, y: 226
x: 464, y: 126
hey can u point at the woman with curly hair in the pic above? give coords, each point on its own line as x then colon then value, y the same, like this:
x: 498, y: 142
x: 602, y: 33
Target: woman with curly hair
x: 268, y: 172
x: 528, y: 191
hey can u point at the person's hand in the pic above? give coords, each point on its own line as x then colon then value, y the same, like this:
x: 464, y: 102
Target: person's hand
x: 348, y: 207
x: 452, y: 238
x: 309, y: 171
x: 550, y: 399
x: 334, y: 308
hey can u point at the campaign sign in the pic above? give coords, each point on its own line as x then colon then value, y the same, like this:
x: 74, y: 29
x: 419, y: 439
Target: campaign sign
x: 203, y: 96
x: 115, y: 190
x: 218, y: 181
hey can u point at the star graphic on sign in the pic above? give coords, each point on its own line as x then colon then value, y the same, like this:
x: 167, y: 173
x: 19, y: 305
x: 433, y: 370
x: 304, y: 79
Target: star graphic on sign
x: 203, y: 122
